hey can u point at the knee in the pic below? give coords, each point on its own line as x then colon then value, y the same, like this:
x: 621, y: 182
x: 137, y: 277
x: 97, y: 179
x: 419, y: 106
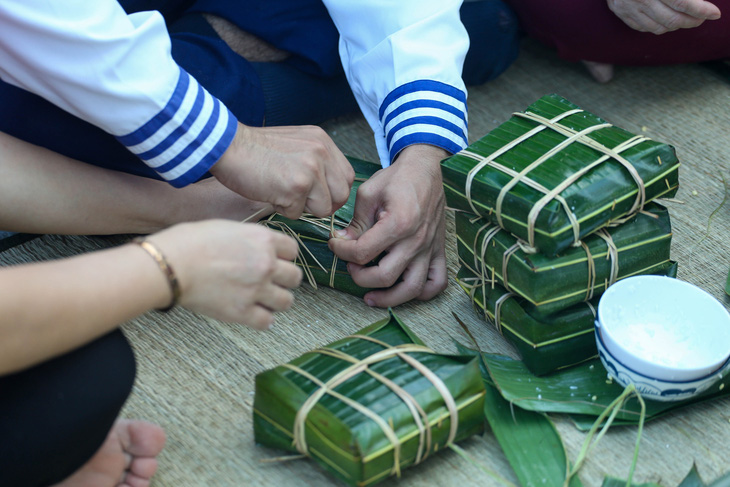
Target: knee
x: 494, y: 39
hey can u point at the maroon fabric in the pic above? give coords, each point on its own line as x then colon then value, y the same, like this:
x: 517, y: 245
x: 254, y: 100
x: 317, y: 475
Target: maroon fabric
x: 588, y: 30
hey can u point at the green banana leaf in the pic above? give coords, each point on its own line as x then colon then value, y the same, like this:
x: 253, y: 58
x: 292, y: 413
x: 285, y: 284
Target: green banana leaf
x: 614, y: 482
x: 546, y: 344
x: 727, y: 285
x: 692, y: 479
x: 315, y: 258
x: 317, y: 261
x: 551, y: 284
x: 583, y: 389
x: 530, y: 442
x: 603, y: 194
x: 354, y: 428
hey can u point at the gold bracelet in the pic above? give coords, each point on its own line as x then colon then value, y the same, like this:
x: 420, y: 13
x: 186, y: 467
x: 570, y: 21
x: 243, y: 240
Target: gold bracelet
x: 164, y: 266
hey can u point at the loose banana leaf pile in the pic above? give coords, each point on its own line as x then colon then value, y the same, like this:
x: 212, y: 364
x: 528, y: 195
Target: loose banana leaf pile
x: 530, y: 442
x: 517, y: 400
x: 556, y: 173
x: 370, y: 404
x: 316, y: 259
x: 515, y: 407
x: 545, y: 343
x: 551, y: 284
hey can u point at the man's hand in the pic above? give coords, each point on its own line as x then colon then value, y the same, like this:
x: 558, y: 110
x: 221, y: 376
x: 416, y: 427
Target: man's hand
x: 296, y: 169
x: 661, y: 16
x: 399, y: 211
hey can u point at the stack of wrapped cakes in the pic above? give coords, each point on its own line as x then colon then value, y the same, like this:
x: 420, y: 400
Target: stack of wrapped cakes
x: 552, y: 207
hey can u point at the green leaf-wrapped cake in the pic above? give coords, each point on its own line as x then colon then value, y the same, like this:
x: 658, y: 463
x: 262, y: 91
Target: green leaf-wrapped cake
x: 555, y: 173
x: 550, y: 284
x: 371, y: 404
x: 545, y: 343
x: 319, y: 263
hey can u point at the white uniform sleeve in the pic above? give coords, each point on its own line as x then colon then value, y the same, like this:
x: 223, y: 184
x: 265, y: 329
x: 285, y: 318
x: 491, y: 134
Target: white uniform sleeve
x: 404, y: 61
x: 115, y: 71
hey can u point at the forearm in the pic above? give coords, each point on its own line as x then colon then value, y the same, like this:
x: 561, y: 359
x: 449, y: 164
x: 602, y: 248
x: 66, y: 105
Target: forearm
x: 44, y: 192
x: 53, y: 307
x: 426, y: 156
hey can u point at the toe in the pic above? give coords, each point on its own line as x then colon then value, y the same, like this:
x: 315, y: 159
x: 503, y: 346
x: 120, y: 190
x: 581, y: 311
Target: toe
x: 141, y: 438
x: 601, y: 72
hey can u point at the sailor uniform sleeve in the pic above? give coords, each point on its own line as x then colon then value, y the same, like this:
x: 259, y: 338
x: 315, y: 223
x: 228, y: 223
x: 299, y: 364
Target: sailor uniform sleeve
x: 115, y: 71
x: 403, y: 61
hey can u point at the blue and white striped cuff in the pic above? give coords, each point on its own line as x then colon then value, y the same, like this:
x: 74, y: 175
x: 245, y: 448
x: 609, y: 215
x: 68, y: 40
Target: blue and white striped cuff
x: 425, y: 112
x: 186, y: 137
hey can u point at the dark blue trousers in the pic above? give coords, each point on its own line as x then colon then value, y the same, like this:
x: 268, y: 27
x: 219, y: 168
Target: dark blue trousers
x: 308, y: 88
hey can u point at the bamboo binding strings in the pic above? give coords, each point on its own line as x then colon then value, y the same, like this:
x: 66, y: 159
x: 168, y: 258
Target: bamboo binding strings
x: 333, y: 269
x: 482, y: 264
x: 420, y: 418
x: 612, y: 255
x: 491, y: 160
x: 478, y: 282
x: 498, y: 310
x: 591, y: 271
x: 301, y: 256
x: 327, y: 224
x: 572, y: 136
x: 362, y: 366
x: 486, y: 274
x: 608, y: 154
x: 537, y: 162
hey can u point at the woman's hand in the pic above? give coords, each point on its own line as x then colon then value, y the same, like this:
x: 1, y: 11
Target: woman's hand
x: 231, y: 271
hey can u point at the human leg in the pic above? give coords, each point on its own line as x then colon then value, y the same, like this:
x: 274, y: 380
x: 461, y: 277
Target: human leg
x: 44, y: 192
x: 55, y: 416
x: 494, y: 39
x: 292, y: 49
x: 589, y: 31
x: 303, y: 81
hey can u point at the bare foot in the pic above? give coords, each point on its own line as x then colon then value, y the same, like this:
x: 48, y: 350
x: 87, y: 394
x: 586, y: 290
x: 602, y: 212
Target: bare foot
x: 126, y: 459
x: 601, y: 72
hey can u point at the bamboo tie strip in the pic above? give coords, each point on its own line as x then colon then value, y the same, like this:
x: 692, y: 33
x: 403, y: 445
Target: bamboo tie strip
x: 327, y: 224
x: 591, y: 271
x: 572, y: 136
x: 356, y: 367
x: 472, y: 283
x: 612, y: 255
x: 491, y: 230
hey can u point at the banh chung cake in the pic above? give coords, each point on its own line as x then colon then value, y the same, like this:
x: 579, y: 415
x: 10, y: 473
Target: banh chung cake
x: 319, y: 263
x: 370, y: 404
x: 550, y: 284
x: 545, y: 343
x: 555, y: 173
